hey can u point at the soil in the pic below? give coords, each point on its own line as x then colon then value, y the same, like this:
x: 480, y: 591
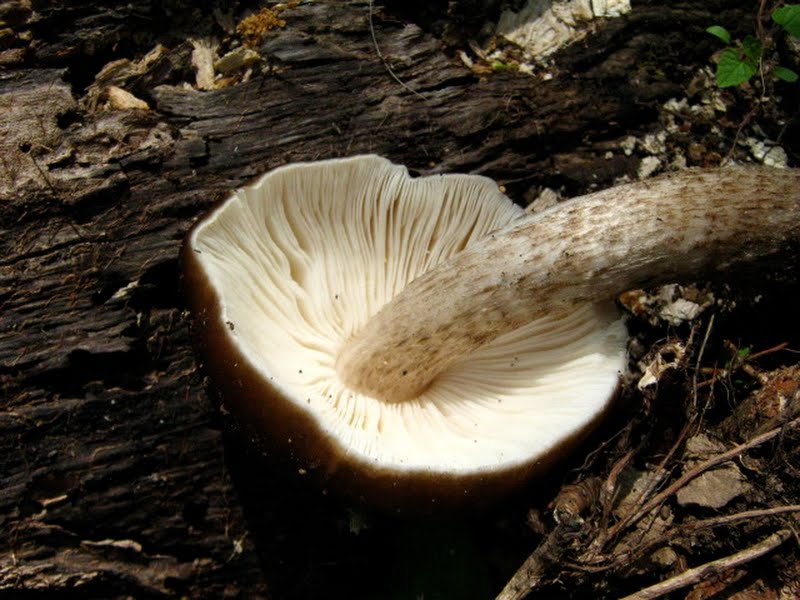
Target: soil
x: 118, y: 127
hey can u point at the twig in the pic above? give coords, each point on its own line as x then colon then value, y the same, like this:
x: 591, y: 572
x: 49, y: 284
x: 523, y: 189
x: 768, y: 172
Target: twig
x: 756, y: 355
x: 609, y: 489
x: 698, y: 574
x: 43, y: 174
x: 383, y: 58
x: 660, y: 472
x: 605, y: 444
x: 744, y: 364
x: 744, y: 123
x: 760, y: 20
x: 741, y: 516
x: 634, y: 554
x: 530, y: 574
x: 700, y: 354
x: 524, y: 580
x: 701, y: 468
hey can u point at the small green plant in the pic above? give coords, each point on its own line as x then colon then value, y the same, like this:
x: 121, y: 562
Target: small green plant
x: 741, y: 60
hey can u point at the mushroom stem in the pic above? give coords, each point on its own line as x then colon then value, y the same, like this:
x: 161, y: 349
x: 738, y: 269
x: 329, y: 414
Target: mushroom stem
x: 677, y: 227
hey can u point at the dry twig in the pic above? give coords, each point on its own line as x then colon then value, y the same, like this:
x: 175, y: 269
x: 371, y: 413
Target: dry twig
x: 530, y: 574
x: 699, y: 469
x: 675, y: 533
x: 661, y: 471
x: 742, y: 516
x: 383, y: 58
x: 698, y: 574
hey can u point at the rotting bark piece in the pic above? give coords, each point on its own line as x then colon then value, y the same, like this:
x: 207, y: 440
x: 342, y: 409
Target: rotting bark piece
x: 30, y: 106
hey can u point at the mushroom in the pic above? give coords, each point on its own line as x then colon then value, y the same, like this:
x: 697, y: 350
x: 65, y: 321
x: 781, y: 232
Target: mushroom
x: 418, y: 341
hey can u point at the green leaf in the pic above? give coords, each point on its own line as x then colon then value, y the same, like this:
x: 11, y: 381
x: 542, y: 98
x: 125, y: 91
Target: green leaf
x: 720, y: 32
x: 788, y: 17
x: 732, y: 70
x: 785, y: 74
x: 752, y: 48
x: 504, y: 66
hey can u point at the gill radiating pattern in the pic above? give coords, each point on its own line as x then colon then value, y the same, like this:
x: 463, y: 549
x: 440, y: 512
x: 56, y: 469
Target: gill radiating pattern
x: 314, y: 278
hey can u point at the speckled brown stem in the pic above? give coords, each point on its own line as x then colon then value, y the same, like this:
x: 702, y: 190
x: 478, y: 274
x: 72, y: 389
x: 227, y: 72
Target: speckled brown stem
x: 682, y: 226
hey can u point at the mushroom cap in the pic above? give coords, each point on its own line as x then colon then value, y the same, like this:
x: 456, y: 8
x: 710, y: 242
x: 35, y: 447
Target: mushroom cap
x: 283, y: 272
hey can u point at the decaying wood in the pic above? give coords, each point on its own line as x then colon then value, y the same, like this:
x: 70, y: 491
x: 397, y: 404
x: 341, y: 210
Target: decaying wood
x: 113, y: 478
